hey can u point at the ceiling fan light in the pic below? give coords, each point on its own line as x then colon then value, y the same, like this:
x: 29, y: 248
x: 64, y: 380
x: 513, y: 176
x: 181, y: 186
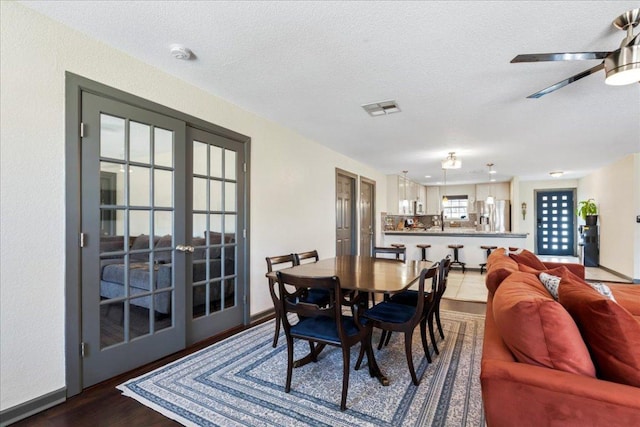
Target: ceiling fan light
x: 623, y: 66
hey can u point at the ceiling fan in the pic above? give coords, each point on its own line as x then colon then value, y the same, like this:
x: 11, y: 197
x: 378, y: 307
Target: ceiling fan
x: 622, y: 66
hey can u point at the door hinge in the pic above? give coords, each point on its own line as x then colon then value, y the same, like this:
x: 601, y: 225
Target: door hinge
x: 83, y: 240
x: 82, y: 130
x: 83, y: 349
x: 244, y: 233
x: 244, y: 166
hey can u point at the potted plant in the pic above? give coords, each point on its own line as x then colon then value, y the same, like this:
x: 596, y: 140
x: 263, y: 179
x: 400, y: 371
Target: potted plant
x: 588, y: 211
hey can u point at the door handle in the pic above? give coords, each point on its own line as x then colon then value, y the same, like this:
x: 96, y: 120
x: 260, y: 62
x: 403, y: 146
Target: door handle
x: 185, y: 248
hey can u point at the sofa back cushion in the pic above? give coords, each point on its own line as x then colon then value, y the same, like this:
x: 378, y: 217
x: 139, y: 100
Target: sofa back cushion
x: 611, y: 332
x: 528, y: 258
x: 499, y: 267
x: 537, y: 329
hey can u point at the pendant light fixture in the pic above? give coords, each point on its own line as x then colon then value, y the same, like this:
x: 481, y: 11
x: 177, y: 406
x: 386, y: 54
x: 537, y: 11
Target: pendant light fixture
x: 451, y: 162
x: 490, y: 199
x: 444, y: 197
x: 405, y: 202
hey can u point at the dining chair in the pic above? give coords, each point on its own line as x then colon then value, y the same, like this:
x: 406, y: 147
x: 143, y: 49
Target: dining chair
x: 443, y: 273
x: 395, y: 317
x: 322, y: 325
x: 282, y: 261
x: 309, y: 255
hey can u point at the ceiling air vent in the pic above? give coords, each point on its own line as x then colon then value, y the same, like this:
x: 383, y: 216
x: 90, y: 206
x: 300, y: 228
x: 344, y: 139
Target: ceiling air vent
x: 381, y: 108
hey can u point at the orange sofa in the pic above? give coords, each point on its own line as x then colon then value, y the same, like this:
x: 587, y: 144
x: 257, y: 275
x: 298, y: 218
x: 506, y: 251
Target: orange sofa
x: 536, y: 368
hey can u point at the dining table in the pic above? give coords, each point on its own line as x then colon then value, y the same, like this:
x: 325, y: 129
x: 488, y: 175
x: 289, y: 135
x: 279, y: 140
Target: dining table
x: 362, y: 274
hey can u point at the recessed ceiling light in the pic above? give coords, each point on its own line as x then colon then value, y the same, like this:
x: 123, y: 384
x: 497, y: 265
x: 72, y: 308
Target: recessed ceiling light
x: 556, y: 174
x: 492, y: 180
x: 179, y: 51
x: 381, y: 108
x: 427, y: 176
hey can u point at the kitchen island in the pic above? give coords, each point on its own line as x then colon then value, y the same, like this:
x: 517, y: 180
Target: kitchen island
x: 471, y: 254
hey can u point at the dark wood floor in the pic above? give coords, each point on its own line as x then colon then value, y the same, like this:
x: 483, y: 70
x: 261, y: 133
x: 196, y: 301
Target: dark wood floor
x: 104, y: 405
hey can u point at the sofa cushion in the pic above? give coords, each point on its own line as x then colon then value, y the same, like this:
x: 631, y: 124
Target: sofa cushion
x: 610, y: 331
x: 536, y: 328
x: 499, y: 267
x: 165, y: 242
x: 627, y: 296
x: 528, y: 258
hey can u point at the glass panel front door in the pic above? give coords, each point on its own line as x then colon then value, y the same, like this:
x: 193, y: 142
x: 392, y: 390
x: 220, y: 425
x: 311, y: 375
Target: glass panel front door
x: 555, y: 222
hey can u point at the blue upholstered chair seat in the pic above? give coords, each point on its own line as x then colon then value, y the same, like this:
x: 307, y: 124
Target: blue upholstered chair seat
x: 390, y: 312
x: 405, y: 297
x: 323, y: 328
x: 318, y: 297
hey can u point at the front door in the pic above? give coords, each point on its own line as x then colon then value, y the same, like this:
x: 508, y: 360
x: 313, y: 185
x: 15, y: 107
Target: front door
x: 367, y: 214
x: 133, y: 216
x: 555, y: 222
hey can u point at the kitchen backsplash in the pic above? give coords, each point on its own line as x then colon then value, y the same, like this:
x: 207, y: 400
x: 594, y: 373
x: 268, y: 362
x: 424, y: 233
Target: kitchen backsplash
x: 395, y: 222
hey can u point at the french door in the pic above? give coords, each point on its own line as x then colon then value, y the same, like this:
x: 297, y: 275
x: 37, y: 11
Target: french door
x: 162, y: 242
x: 555, y: 222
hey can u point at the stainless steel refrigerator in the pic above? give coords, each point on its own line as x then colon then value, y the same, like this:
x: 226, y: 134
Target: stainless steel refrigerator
x: 494, y: 217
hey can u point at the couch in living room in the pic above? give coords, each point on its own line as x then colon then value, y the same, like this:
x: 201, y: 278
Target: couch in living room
x: 574, y: 361
x: 141, y: 281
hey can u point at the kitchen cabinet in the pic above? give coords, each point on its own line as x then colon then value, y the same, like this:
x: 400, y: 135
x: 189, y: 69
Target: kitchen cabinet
x: 399, y: 189
x: 499, y: 190
x: 433, y: 201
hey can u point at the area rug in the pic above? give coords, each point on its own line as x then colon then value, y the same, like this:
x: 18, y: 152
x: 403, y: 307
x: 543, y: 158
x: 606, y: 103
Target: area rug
x: 240, y: 382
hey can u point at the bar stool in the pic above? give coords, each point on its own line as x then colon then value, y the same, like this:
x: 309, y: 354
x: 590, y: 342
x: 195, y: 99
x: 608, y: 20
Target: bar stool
x: 424, y: 251
x: 489, y: 249
x: 456, y: 261
x: 397, y: 246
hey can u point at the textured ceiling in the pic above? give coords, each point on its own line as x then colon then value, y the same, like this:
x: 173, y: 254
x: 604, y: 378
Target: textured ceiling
x: 310, y: 66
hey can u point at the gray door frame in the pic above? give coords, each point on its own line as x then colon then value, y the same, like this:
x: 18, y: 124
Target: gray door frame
x: 74, y: 86
x: 372, y: 183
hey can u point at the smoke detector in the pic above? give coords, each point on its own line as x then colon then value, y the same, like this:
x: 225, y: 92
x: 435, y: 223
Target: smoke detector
x: 179, y: 51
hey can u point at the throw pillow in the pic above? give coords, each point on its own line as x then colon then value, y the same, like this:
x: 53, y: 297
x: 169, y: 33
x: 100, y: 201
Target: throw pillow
x: 603, y: 290
x: 551, y: 283
x: 537, y: 329
x: 610, y: 331
x: 523, y: 256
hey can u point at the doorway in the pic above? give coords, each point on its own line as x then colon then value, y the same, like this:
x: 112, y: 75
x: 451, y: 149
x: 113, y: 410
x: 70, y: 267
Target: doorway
x: 345, y: 213
x: 156, y: 232
x: 367, y: 216
x: 555, y: 218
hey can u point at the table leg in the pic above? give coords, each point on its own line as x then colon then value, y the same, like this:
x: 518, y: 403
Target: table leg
x: 311, y: 357
x: 374, y: 369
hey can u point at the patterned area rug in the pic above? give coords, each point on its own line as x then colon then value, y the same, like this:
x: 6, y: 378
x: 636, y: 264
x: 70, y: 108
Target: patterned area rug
x: 240, y: 382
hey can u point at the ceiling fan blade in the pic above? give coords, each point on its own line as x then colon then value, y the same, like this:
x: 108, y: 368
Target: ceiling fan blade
x: 565, y: 82
x: 561, y: 56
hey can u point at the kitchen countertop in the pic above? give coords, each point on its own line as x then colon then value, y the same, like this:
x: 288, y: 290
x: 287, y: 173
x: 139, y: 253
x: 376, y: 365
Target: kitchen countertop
x: 462, y: 232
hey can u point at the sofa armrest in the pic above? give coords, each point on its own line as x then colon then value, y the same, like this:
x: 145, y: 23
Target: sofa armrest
x: 536, y: 396
x: 577, y: 269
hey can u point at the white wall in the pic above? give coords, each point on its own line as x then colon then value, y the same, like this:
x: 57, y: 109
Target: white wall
x: 292, y: 185
x: 526, y: 193
x: 616, y: 190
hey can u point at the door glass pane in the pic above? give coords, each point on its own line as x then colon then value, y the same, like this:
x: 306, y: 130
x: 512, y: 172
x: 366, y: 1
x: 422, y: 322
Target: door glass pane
x: 139, y: 186
x: 111, y: 137
x: 162, y: 188
x: 111, y: 274
x: 139, y: 143
x: 199, y: 225
x: 216, y: 162
x: 215, y: 203
x: 229, y: 196
x: 139, y: 224
x: 230, y: 226
x: 216, y: 295
x: 112, y: 222
x: 199, y: 194
x: 229, y: 293
x: 199, y: 158
x: 215, y: 225
x: 111, y: 183
x: 163, y: 147
x: 163, y: 223
x: 139, y: 317
x: 163, y: 304
x: 199, y: 297
x: 111, y: 324
x: 230, y: 164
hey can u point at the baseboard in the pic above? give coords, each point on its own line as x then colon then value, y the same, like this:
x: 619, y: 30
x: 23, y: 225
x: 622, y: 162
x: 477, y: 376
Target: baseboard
x: 615, y: 273
x: 31, y: 407
x: 262, y: 315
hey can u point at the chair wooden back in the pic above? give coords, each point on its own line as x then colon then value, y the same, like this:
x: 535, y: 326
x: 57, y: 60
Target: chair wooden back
x: 302, y: 256
x: 398, y: 252
x: 281, y: 261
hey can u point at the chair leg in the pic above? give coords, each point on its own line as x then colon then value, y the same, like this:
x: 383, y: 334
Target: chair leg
x: 383, y: 336
x: 277, y: 331
x: 360, y: 355
x: 287, y: 387
x: 407, y: 350
x: 386, y: 341
x: 437, y: 310
x: 423, y: 335
x: 346, y: 357
x: 312, y: 352
x: 431, y: 334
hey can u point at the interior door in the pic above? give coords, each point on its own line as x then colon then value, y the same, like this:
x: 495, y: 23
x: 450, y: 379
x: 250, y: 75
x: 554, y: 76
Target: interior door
x: 345, y: 214
x: 133, y: 215
x: 367, y: 215
x: 215, y: 291
x: 555, y: 222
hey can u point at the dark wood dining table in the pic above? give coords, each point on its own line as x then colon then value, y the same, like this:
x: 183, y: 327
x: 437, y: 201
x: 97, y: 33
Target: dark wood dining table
x: 363, y: 274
